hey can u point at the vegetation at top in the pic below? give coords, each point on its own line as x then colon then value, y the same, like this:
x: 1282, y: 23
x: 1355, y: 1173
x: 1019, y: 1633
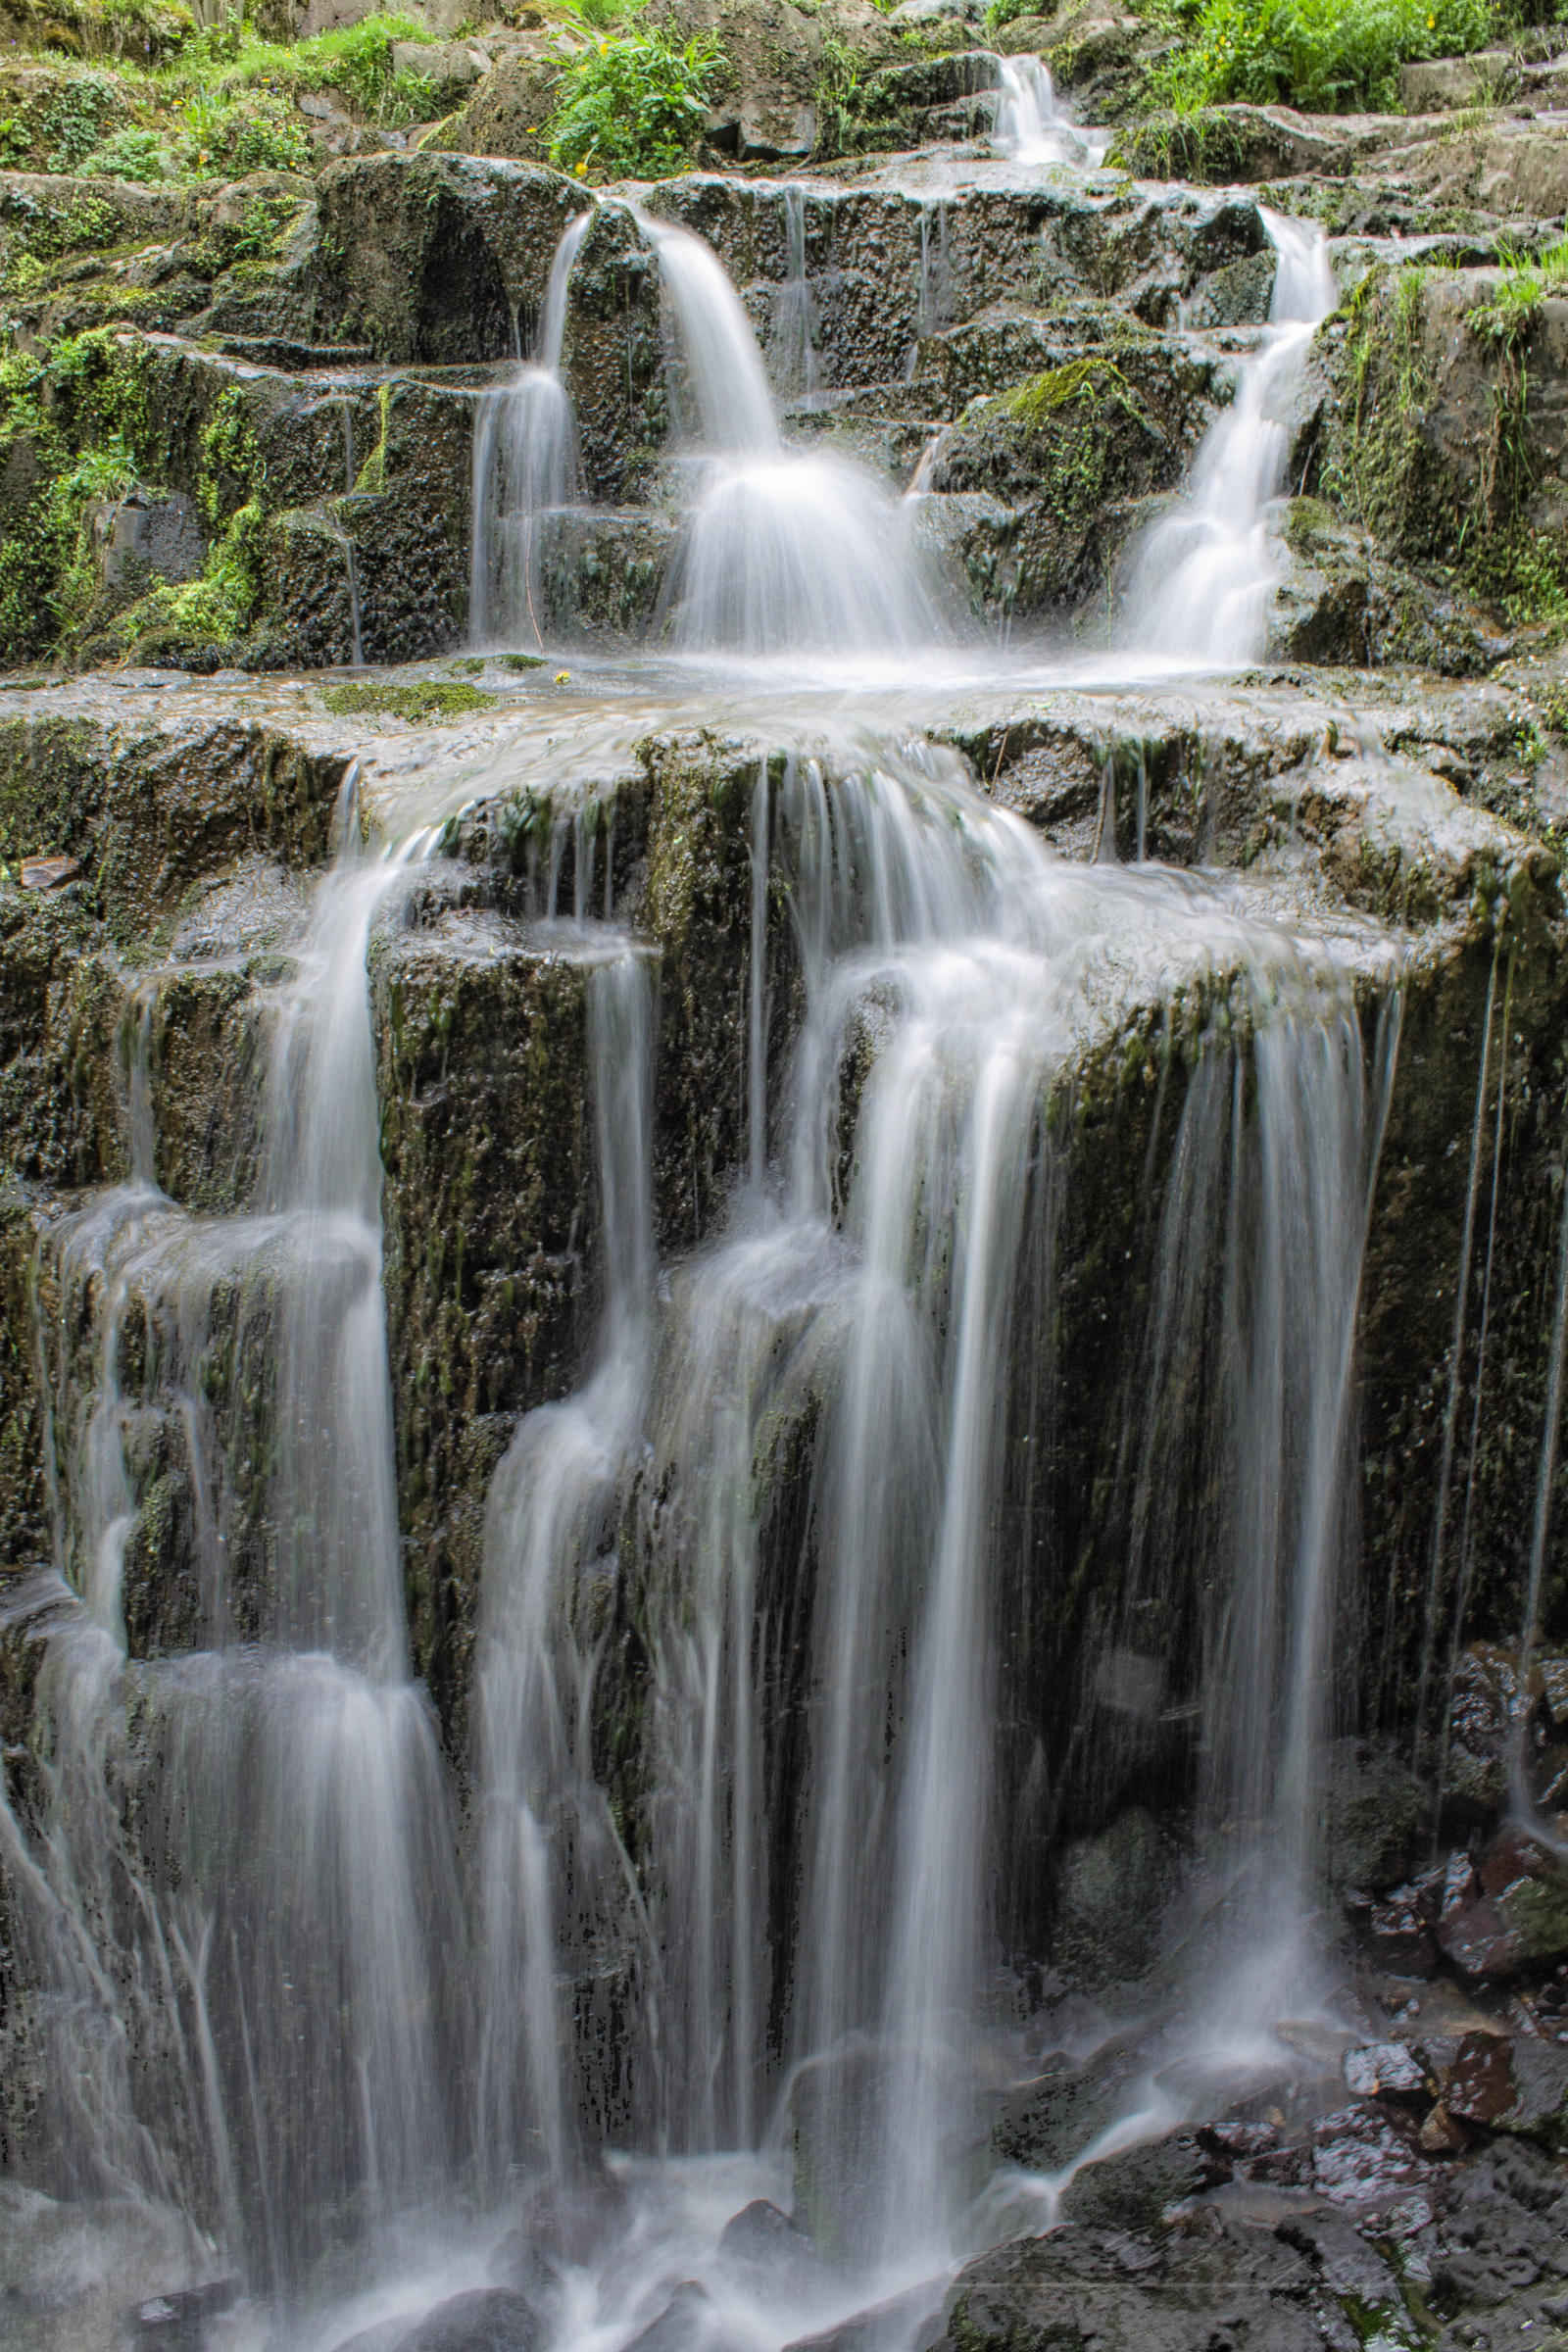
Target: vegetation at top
x: 1323, y: 56
x: 632, y: 102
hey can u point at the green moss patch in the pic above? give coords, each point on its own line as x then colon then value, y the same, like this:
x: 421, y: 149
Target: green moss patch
x: 429, y: 700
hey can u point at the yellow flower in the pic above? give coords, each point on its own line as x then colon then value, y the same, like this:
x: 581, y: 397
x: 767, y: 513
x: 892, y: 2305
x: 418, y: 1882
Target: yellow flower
x: 582, y: 171
x: 1431, y: 23
x: 562, y: 677
x: 604, y: 46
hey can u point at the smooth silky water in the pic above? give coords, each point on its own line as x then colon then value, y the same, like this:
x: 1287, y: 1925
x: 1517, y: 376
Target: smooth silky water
x: 356, y: 2024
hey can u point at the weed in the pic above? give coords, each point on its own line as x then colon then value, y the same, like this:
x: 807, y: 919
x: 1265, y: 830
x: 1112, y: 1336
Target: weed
x: 1508, y: 318
x: 130, y: 154
x: 632, y: 106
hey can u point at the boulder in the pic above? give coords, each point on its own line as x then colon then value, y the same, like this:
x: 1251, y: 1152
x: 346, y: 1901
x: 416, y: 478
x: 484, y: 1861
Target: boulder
x: 1513, y: 2084
x: 1377, y: 1818
x: 1184, y: 2291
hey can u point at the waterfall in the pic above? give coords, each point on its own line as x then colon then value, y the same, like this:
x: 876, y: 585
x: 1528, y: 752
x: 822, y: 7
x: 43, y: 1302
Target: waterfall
x: 244, y: 1901
x: 1030, y: 125
x: 784, y: 552
x: 525, y: 467
x: 1204, y: 574
x: 890, y: 1323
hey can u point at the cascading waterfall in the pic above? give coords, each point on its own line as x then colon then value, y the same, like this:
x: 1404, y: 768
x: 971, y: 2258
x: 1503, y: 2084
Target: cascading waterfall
x: 524, y: 468
x: 1204, y: 574
x: 874, y: 1331
x: 794, y: 1533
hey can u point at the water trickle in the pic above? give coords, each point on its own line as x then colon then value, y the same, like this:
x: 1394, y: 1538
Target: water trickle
x: 1204, y: 574
x: 797, y: 366
x: 525, y: 467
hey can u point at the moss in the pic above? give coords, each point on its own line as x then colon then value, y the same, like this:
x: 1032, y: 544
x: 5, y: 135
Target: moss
x: 429, y: 700
x: 1087, y: 381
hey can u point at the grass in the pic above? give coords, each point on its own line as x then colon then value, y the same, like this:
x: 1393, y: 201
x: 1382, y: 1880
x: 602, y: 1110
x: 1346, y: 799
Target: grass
x: 631, y: 105
x: 1523, y: 287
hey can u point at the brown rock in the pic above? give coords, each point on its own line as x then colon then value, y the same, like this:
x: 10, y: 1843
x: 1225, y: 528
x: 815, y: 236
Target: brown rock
x: 48, y: 873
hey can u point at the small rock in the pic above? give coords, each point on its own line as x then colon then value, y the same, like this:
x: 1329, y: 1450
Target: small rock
x: 1388, y: 2070
x: 48, y: 873
x: 1487, y: 1694
x: 176, y: 2322
x: 1399, y: 1937
x: 1440, y: 2134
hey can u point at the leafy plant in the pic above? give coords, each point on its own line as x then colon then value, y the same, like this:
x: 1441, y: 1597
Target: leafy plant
x: 130, y: 154
x: 77, y: 118
x: 1326, y: 56
x: 632, y: 106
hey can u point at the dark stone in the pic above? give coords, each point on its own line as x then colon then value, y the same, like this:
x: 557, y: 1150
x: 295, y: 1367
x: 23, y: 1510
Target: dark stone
x: 761, y: 2234
x: 1135, y: 2188
x: 1186, y: 2290
x: 488, y: 2318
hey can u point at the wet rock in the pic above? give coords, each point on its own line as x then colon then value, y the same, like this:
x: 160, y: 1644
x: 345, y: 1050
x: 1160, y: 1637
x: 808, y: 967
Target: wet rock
x: 485, y: 1137
x: 1111, y: 1891
x: 908, y: 2323
x: 688, y: 2322
x: 1049, y: 2121
x: 73, y: 2274
x: 1488, y: 1694
x: 520, y: 2262
x: 1389, y: 2070
x: 1184, y: 2291
x: 1137, y: 2188
x: 1399, y: 1936
x: 431, y: 257
x: 761, y: 2236
x: 178, y: 2322
x: 1513, y: 2084
x: 488, y: 2318
x: 1377, y: 1817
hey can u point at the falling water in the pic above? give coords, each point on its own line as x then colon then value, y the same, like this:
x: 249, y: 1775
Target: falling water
x: 525, y: 467
x: 246, y: 1868
x: 1029, y: 125
x: 784, y: 552
x: 550, y: 1847
x: 1204, y: 574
